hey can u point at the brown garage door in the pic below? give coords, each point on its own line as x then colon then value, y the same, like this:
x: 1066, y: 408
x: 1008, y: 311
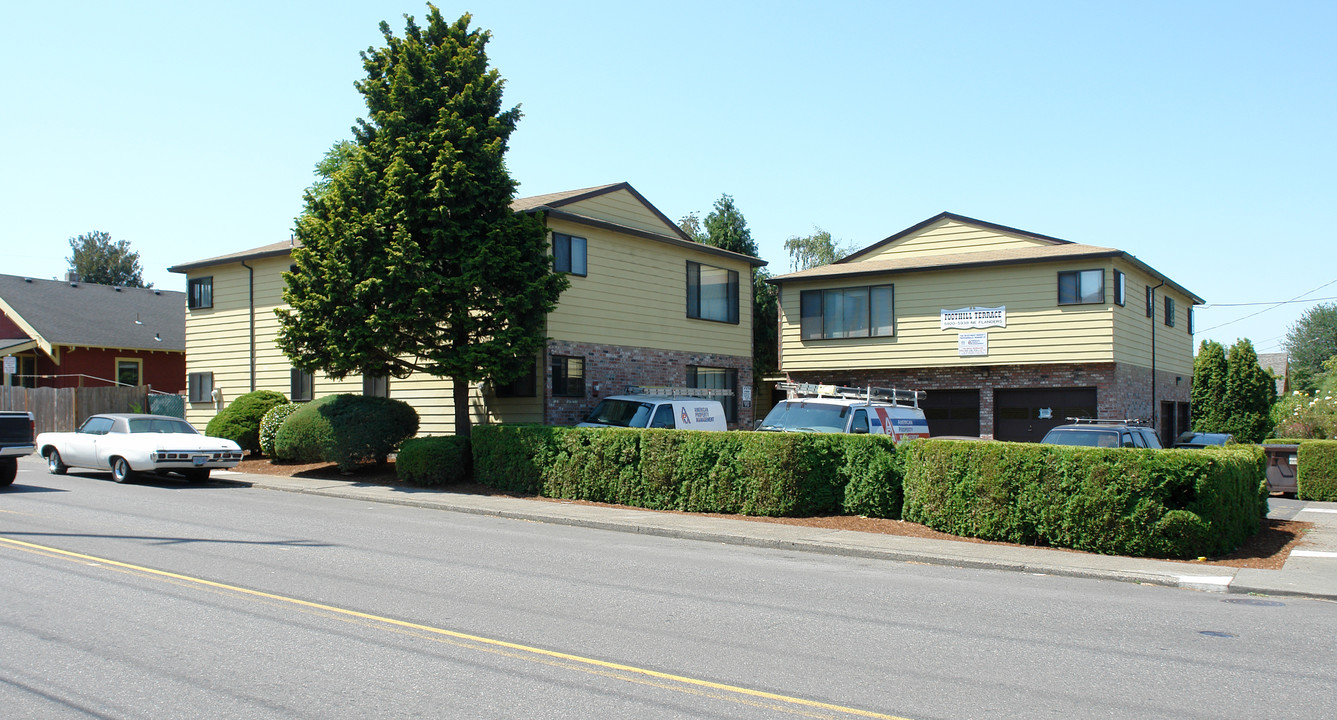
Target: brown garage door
x: 1026, y: 415
x: 952, y: 412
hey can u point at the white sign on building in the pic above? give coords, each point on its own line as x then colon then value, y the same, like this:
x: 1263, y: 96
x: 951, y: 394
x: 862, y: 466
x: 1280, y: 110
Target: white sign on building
x: 972, y: 344
x: 974, y: 317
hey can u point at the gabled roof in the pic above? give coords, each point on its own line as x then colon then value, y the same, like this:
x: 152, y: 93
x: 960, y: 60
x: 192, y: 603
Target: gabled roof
x: 552, y: 204
x: 56, y: 312
x: 954, y: 218
x: 1054, y: 250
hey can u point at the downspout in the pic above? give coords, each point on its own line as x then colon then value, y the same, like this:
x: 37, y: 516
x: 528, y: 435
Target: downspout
x: 250, y: 291
x: 1155, y: 410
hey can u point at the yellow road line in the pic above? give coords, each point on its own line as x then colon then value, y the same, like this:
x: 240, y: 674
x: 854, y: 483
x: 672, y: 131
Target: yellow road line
x: 526, y: 649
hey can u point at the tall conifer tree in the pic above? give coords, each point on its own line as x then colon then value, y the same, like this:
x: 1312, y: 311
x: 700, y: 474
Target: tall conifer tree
x: 1209, y: 388
x: 411, y: 258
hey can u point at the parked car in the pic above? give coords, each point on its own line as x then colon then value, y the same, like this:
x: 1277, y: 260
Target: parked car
x: 126, y: 444
x: 670, y: 410
x: 1106, y: 433
x: 1198, y: 441
x: 840, y: 409
x: 16, y: 440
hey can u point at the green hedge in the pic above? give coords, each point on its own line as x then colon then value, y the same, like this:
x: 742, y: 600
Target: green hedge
x: 1155, y: 503
x: 346, y: 429
x: 240, y: 420
x: 1316, y: 473
x: 771, y: 474
x: 441, y: 460
x: 1283, y: 441
x: 271, y: 422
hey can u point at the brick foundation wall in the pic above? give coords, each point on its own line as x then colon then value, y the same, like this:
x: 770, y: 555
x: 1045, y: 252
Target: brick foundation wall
x: 610, y: 369
x: 1122, y: 391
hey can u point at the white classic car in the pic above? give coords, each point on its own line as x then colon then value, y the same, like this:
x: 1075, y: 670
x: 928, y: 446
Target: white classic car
x: 127, y: 444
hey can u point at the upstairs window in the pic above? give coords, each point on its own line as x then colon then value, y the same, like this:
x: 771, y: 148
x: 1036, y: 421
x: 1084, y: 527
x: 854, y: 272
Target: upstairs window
x: 712, y: 293
x: 1189, y: 312
x: 1120, y: 285
x: 568, y: 254
x: 847, y: 312
x: 1170, y: 311
x: 200, y: 293
x: 1151, y: 301
x: 1081, y: 287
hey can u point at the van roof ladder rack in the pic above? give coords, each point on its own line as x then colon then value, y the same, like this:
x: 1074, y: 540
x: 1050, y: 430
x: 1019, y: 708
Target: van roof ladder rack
x: 667, y: 391
x: 895, y: 396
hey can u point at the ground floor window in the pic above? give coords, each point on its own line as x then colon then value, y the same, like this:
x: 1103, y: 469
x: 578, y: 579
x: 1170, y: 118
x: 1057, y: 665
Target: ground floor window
x: 200, y: 387
x: 714, y: 378
x: 376, y: 385
x: 524, y: 386
x: 301, y: 385
x: 129, y: 372
x: 25, y: 372
x: 568, y: 376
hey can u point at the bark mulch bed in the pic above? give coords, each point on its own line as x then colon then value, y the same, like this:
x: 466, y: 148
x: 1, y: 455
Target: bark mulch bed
x: 1267, y: 550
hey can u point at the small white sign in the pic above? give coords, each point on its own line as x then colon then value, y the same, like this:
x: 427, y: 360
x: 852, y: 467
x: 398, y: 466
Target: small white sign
x: 11, y: 364
x: 974, y: 317
x: 972, y: 344
x: 747, y: 396
x: 1046, y: 413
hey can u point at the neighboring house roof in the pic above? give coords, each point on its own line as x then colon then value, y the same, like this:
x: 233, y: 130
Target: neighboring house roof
x: 10, y: 346
x: 57, y: 312
x: 1279, y: 365
x: 553, y: 204
x: 1057, y: 250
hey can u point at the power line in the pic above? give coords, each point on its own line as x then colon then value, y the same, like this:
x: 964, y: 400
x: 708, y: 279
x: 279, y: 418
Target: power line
x: 1278, y: 302
x: 1273, y: 306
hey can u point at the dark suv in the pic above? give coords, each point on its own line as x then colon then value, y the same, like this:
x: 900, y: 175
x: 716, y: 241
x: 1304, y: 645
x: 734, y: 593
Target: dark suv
x: 1096, y: 432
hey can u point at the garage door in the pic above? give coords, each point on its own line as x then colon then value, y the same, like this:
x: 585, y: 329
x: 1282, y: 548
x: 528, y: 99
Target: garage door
x: 952, y: 412
x: 1026, y: 415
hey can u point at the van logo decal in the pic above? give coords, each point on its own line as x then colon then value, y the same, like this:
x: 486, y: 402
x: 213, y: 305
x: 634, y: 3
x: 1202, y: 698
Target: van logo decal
x: 685, y: 419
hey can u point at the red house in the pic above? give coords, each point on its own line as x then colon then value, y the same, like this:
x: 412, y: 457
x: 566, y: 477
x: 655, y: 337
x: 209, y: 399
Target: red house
x: 75, y: 334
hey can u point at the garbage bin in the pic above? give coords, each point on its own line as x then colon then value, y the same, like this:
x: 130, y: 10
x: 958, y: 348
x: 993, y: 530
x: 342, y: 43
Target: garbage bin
x: 1281, y: 466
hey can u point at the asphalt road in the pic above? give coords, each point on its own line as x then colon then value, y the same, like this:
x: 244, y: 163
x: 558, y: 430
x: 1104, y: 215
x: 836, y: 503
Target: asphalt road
x: 163, y: 599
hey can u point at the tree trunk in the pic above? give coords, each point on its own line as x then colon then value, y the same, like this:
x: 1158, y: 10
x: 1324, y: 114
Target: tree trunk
x: 463, y: 415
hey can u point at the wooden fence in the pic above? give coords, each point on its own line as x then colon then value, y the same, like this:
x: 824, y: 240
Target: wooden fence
x: 65, y: 409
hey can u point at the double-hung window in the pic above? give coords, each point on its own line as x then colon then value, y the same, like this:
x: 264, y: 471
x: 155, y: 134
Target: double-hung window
x: 524, y: 386
x: 568, y: 254
x: 1151, y: 301
x: 1081, y: 287
x: 568, y: 376
x: 376, y: 385
x: 1170, y: 311
x: 1120, y: 285
x: 712, y: 293
x: 200, y: 293
x: 854, y: 312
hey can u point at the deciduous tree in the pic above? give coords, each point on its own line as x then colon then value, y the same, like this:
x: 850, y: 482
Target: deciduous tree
x: 411, y: 259
x: 1310, y: 341
x: 813, y: 250
x: 95, y: 258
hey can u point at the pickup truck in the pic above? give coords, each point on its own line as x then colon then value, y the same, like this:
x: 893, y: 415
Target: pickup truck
x: 16, y: 439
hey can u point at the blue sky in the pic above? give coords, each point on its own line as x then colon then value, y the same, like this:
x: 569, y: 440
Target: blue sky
x: 1197, y: 136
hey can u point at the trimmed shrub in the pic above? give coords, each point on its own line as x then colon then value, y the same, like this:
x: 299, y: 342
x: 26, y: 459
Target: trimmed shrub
x: 1154, y: 503
x: 240, y: 420
x: 441, y: 460
x: 270, y: 423
x: 345, y: 429
x: 773, y: 474
x: 1316, y: 473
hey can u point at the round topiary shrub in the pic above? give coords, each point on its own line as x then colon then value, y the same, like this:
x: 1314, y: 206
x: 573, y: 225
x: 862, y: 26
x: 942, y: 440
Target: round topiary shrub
x: 434, y: 460
x: 345, y: 429
x: 240, y: 420
x: 270, y: 423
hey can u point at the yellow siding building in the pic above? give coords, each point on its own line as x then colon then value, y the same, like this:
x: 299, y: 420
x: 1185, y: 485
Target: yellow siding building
x: 1008, y: 331
x: 646, y: 306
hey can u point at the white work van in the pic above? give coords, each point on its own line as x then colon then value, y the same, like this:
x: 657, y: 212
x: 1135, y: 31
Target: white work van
x: 812, y: 407
x: 669, y: 408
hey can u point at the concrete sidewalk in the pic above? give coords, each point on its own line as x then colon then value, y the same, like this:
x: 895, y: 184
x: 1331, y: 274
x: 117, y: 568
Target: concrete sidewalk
x: 1311, y: 570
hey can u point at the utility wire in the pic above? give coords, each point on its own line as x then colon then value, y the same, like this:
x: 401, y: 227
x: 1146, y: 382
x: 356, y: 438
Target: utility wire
x: 1272, y: 306
x: 1277, y: 302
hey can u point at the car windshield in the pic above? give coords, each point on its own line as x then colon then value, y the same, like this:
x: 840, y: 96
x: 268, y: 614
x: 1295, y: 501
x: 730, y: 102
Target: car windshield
x: 1084, y: 438
x: 622, y: 413
x: 805, y: 415
x: 160, y: 425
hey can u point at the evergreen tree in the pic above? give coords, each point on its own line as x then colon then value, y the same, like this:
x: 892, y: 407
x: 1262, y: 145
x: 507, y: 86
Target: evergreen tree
x: 96, y: 258
x: 1309, y: 342
x: 1249, y: 395
x: 725, y: 227
x: 411, y: 258
x: 1209, y: 388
